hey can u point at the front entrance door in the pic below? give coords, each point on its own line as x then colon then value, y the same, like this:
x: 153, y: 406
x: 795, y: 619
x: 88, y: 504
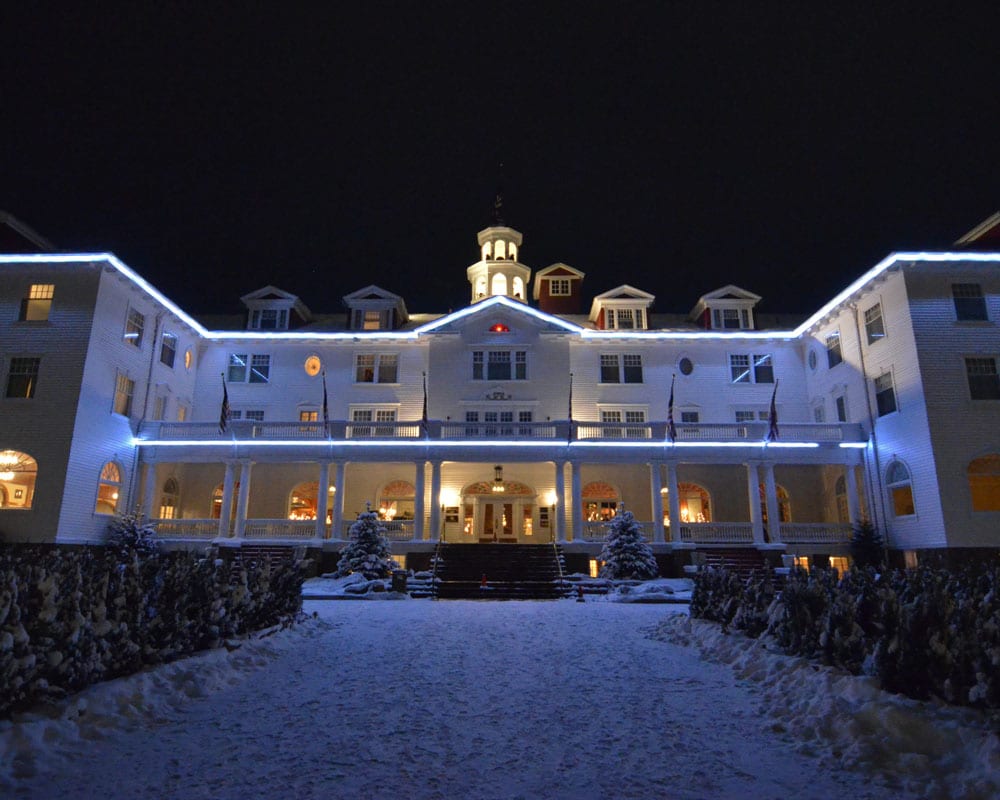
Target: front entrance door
x: 498, y: 523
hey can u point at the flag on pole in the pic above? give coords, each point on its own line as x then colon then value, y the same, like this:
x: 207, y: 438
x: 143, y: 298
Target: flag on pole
x: 326, y: 405
x: 224, y: 413
x: 423, y: 414
x: 570, y: 411
x: 772, y: 429
x: 671, y: 427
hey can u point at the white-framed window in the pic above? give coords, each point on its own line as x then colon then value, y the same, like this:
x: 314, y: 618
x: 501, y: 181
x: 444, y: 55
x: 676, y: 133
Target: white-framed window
x: 269, y: 319
x: 751, y: 368
x: 499, y: 365
x: 690, y: 416
x: 834, y: 355
x: 376, y: 368
x: 984, y: 383
x: 253, y: 368
x: 159, y: 407
x: 182, y: 412
x: 885, y: 394
x: 819, y: 412
x: 37, y: 305
x: 253, y: 415
x: 135, y: 322
x: 363, y: 419
x: 168, y: 349
x: 124, y: 389
x: 634, y: 426
x: 730, y: 318
x: 897, y: 481
x: 874, y: 325
x: 17, y: 488
x: 22, y: 377
x: 841, y: 403
x: 109, y: 486
x: 369, y: 319
x: 559, y: 287
x: 625, y: 318
x: 970, y: 305
x: 621, y: 368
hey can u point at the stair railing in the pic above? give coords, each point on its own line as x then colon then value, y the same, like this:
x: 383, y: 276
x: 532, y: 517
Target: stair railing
x: 558, y: 555
x: 434, y: 570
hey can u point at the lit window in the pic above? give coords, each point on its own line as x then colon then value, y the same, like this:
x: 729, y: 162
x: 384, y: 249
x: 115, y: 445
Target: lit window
x: 182, y: 412
x: 833, y: 354
x: 168, y: 499
x: 372, y: 320
x: 108, y: 489
x: 313, y: 365
x: 18, y: 472
x: 308, y: 416
x: 558, y: 287
x: 188, y: 358
x: 376, y: 368
x: 124, y: 389
x: 897, y: 479
x: 984, y: 383
x: 984, y: 482
x: 969, y: 301
x: 37, y: 305
x: 874, y: 326
x: 134, y: 324
x: 168, y: 349
x: 23, y: 377
x: 885, y: 394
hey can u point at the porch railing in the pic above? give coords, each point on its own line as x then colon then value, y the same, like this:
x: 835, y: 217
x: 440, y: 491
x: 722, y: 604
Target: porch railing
x: 598, y: 531
x: 717, y: 532
x: 186, y: 528
x: 503, y: 430
x: 815, y: 533
x: 279, y: 529
x: 398, y: 530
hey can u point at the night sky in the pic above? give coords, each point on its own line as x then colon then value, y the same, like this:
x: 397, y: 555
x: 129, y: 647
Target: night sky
x: 676, y: 148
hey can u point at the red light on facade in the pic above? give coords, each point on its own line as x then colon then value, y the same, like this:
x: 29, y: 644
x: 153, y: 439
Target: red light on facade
x: 500, y: 328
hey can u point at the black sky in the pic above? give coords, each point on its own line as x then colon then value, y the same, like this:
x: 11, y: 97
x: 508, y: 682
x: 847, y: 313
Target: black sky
x: 676, y: 147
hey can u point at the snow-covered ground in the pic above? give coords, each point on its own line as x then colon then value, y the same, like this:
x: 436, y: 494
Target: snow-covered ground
x: 422, y: 699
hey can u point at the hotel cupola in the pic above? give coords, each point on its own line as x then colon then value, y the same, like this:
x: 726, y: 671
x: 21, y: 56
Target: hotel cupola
x: 498, y: 272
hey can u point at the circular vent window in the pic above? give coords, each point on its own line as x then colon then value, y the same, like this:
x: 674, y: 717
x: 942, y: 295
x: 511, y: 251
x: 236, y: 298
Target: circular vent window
x: 686, y: 366
x: 813, y: 360
x: 313, y: 365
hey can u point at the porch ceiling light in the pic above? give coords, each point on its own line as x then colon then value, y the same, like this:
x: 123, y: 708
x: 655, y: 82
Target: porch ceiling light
x: 498, y: 478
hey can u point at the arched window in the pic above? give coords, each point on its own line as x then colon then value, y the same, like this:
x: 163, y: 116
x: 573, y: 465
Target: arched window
x: 396, y: 500
x: 109, y: 489
x: 518, y: 288
x: 600, y: 501
x: 17, y: 479
x: 499, y: 284
x: 897, y: 479
x: 169, y: 498
x: 695, y: 503
x: 984, y: 482
x: 512, y: 251
x: 498, y: 251
x: 303, y: 500
x: 840, y: 492
x: 784, y: 505
x: 486, y: 251
x: 480, y: 287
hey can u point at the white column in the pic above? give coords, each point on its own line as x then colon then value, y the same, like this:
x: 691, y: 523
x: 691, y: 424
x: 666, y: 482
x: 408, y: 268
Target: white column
x: 560, y: 520
x: 853, y: 504
x: 435, y: 531
x: 771, y: 498
x: 655, y: 484
x: 322, y: 499
x: 753, y: 497
x: 243, y: 499
x: 338, y: 501
x: 418, y: 501
x: 149, y: 491
x: 226, y: 510
x: 674, y: 501
x: 577, y: 492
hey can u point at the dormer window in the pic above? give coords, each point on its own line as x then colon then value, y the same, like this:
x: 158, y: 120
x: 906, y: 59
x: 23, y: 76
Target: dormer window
x: 731, y: 318
x: 559, y: 287
x: 269, y: 319
x: 729, y: 308
x: 274, y: 309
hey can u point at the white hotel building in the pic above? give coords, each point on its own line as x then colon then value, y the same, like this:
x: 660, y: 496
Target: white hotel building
x: 541, y: 416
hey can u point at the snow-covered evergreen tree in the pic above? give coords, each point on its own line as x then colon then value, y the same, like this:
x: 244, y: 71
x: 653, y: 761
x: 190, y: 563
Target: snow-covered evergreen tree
x: 368, y: 551
x: 867, y: 547
x: 130, y: 537
x: 626, y: 554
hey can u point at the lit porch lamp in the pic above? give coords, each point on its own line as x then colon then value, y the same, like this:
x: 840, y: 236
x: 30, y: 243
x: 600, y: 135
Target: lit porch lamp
x: 498, y: 478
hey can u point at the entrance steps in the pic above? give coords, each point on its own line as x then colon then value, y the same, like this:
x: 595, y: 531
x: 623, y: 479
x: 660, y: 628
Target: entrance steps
x: 513, y: 572
x: 742, y: 560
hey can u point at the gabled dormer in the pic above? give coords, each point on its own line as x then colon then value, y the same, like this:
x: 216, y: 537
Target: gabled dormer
x: 375, y: 309
x: 274, y: 309
x: 558, y: 289
x: 728, y: 308
x: 499, y: 273
x: 623, y: 308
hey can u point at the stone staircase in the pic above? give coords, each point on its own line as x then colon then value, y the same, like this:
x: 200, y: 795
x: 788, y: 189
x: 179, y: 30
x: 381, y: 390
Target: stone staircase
x: 513, y: 572
x: 741, y: 560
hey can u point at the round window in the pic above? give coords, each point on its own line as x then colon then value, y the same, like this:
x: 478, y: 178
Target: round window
x: 813, y: 360
x: 686, y: 366
x: 313, y: 365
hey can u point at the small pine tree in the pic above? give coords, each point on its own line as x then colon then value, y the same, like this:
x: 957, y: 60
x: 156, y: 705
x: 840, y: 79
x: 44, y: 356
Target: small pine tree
x: 368, y: 552
x: 626, y: 554
x: 867, y: 547
x: 132, y: 537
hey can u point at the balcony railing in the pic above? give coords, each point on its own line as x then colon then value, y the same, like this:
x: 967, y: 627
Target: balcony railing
x: 815, y: 533
x: 279, y: 529
x: 397, y: 530
x: 186, y: 528
x: 650, y: 432
x: 598, y: 531
x: 717, y: 532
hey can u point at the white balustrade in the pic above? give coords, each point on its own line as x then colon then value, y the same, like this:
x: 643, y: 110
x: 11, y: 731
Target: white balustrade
x: 815, y: 533
x: 279, y: 529
x: 717, y: 532
x: 186, y: 528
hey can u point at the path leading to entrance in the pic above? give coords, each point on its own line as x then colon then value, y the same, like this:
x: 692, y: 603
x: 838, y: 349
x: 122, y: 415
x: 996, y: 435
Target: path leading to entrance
x: 422, y: 699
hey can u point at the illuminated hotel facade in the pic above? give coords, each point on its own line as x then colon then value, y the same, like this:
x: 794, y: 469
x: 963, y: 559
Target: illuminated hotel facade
x: 525, y: 417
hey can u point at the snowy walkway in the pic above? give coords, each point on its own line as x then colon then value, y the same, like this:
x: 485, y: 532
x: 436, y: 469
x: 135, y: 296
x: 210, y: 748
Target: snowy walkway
x: 417, y: 699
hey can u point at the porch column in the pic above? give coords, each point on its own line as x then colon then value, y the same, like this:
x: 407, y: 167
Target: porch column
x: 338, y: 501
x: 243, y: 499
x: 418, y: 501
x: 322, y: 499
x: 226, y: 510
x: 560, y: 520
x: 149, y: 491
x: 435, y: 532
x: 674, y: 503
x: 853, y: 504
x: 577, y: 510
x: 655, y: 484
x: 771, y: 498
x: 753, y: 496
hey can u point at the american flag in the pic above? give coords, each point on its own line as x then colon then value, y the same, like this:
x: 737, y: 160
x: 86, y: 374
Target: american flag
x: 671, y: 427
x: 326, y: 406
x: 224, y: 413
x: 423, y: 415
x: 772, y: 429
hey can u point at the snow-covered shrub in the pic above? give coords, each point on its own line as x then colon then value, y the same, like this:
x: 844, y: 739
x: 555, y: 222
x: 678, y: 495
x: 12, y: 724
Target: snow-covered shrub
x: 368, y: 551
x: 797, y: 617
x: 626, y: 554
x: 717, y: 595
x: 131, y: 537
x: 753, y: 612
x: 867, y: 545
x: 853, y: 623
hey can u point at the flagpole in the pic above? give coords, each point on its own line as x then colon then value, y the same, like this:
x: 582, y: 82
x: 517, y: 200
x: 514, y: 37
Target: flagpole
x: 772, y: 427
x: 671, y: 427
x: 224, y: 412
x: 326, y: 407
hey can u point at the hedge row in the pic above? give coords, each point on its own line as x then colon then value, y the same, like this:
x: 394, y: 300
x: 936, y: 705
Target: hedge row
x: 923, y: 633
x: 72, y: 617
